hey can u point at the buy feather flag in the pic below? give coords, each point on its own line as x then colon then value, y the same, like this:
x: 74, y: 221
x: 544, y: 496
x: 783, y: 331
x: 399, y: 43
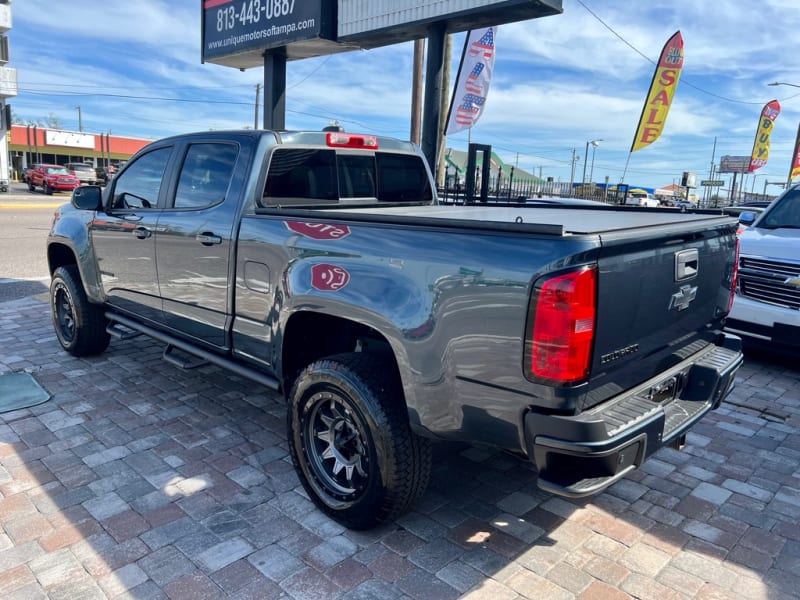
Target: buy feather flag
x: 662, y: 89
x: 766, y: 122
x: 473, y: 79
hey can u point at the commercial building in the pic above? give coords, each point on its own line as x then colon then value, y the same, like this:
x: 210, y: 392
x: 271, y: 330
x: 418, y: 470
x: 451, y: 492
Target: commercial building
x: 8, y: 89
x: 30, y: 144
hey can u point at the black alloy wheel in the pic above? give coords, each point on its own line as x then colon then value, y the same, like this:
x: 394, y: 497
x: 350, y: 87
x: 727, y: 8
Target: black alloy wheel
x: 351, y: 442
x: 80, y: 326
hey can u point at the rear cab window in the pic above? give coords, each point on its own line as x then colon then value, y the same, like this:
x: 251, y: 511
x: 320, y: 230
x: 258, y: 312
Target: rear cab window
x: 308, y: 177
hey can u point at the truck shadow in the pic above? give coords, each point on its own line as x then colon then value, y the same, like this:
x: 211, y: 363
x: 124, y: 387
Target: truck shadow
x: 17, y: 289
x: 138, y: 477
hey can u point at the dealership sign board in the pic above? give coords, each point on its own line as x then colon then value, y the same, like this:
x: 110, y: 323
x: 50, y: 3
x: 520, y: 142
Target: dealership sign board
x: 236, y: 33
x: 372, y: 23
x: 734, y: 164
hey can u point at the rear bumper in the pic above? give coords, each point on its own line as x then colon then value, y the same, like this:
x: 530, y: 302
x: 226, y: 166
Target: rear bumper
x: 582, y: 455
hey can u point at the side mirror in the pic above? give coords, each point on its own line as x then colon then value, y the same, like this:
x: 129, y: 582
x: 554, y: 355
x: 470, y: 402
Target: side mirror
x: 747, y: 218
x: 88, y: 197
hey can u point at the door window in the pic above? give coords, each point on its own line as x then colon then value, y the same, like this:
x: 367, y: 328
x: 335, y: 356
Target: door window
x: 140, y: 184
x: 206, y: 174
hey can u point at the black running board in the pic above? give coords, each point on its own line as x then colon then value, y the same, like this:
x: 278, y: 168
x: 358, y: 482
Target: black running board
x: 202, y: 354
x: 115, y: 331
x: 172, y: 356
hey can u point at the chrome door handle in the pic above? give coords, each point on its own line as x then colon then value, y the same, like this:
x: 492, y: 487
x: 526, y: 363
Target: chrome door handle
x: 142, y: 233
x: 208, y: 239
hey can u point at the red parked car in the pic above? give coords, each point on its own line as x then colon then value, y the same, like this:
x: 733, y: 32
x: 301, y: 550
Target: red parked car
x: 52, y: 178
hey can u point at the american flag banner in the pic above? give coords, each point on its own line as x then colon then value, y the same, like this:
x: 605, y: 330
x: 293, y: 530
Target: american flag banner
x: 484, y: 46
x: 472, y: 82
x: 469, y: 109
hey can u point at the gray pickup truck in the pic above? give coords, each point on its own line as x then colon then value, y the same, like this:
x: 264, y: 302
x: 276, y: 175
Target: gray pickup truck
x: 321, y: 265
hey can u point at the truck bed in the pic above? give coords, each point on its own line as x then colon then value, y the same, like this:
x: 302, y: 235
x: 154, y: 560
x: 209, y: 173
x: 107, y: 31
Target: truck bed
x: 556, y: 219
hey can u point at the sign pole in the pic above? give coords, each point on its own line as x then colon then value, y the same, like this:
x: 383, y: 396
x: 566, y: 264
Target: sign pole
x: 275, y: 89
x: 432, y: 106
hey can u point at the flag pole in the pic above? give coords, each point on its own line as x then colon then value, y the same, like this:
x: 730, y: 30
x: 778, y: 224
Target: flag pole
x: 458, y: 78
x: 624, y: 172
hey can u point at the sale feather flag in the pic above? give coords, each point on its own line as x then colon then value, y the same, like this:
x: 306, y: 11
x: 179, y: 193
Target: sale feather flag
x: 760, y: 154
x: 795, y: 171
x: 473, y: 79
x: 662, y: 89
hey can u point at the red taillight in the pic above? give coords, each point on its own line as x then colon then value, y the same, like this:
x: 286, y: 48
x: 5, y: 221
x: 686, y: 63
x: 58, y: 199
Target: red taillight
x: 734, y: 276
x: 349, y: 140
x: 563, y: 326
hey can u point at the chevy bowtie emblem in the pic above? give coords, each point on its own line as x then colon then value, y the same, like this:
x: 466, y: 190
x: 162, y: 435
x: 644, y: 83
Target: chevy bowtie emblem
x: 795, y: 281
x: 683, y: 298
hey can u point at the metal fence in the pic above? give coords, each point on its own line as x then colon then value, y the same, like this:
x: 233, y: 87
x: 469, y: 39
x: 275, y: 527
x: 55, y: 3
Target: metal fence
x: 505, y: 189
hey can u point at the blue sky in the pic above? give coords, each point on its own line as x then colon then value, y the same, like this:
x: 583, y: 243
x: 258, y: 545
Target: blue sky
x: 134, y: 69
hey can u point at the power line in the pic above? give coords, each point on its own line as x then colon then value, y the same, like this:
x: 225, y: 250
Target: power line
x: 132, y: 97
x: 651, y: 61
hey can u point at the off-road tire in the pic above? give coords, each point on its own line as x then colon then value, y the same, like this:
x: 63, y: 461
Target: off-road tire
x: 80, y: 326
x: 31, y: 187
x: 351, y: 442
x: 47, y: 189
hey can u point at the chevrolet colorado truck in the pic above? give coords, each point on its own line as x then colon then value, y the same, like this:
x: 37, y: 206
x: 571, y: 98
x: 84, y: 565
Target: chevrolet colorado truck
x: 766, y: 308
x: 321, y: 265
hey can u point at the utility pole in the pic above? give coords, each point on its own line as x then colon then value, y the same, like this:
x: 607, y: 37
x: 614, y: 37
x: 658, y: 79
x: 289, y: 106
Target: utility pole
x: 711, y: 173
x: 445, y: 104
x: 80, y: 120
x: 572, y: 170
x: 416, y: 90
x: 258, y: 94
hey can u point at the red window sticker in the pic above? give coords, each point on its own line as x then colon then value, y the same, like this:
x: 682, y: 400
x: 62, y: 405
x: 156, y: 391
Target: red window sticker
x: 319, y: 231
x: 329, y: 278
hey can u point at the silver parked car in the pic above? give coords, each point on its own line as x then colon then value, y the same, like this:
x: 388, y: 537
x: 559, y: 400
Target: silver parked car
x: 83, y: 171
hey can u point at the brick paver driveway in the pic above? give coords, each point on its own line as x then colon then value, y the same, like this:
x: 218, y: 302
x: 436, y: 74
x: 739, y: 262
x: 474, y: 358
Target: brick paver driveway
x: 139, y: 480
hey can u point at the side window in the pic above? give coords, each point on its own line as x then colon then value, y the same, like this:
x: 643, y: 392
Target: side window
x: 356, y: 176
x: 297, y: 175
x: 402, y: 178
x: 206, y: 174
x: 140, y: 184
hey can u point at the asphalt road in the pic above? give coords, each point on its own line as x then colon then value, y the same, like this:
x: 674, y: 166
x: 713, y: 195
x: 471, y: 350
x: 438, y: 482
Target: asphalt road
x: 25, y: 219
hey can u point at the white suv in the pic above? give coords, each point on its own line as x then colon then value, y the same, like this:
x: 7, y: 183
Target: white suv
x: 766, y: 307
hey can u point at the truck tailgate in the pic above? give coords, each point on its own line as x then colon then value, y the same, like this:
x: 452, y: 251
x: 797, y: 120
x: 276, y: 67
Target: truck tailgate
x: 660, y: 299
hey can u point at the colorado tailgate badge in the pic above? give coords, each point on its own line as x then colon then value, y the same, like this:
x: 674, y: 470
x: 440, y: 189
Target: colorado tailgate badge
x: 329, y: 278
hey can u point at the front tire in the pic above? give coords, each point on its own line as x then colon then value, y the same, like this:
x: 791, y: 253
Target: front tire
x: 351, y: 442
x: 47, y: 189
x: 80, y: 326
